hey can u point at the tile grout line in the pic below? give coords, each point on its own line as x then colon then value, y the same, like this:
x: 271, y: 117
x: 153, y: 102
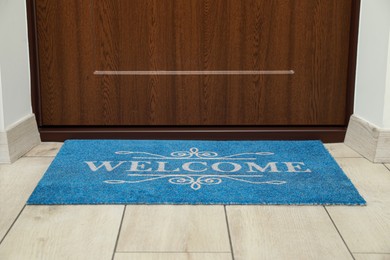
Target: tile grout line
x: 386, y: 166
x: 346, y: 157
x: 17, y: 217
x: 38, y: 156
x: 371, y: 253
x: 228, y: 230
x: 173, y: 252
x: 119, y: 232
x: 338, y: 231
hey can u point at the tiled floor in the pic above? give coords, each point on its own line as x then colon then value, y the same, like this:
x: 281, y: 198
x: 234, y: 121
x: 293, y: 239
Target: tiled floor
x: 193, y: 232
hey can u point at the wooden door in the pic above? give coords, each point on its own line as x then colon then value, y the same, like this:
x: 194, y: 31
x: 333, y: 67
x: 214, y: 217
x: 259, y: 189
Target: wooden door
x: 193, y: 62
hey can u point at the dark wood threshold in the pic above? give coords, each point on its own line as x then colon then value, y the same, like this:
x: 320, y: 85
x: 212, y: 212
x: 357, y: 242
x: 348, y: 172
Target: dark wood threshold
x: 326, y: 134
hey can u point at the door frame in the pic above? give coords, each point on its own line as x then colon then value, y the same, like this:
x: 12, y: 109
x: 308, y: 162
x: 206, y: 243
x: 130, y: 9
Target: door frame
x: 334, y: 133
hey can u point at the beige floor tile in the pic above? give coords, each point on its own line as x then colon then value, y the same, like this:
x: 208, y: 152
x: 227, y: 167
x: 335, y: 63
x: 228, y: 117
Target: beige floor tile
x: 17, y: 182
x: 372, y: 256
x: 173, y: 256
x: 388, y: 166
x: 284, y: 232
x: 162, y: 228
x: 341, y: 150
x: 45, y: 149
x: 371, y: 180
x: 364, y: 229
x: 63, y: 232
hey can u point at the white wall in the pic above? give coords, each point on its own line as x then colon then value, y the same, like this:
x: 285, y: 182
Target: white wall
x: 1, y: 105
x: 15, y: 97
x: 386, y: 113
x: 372, y: 99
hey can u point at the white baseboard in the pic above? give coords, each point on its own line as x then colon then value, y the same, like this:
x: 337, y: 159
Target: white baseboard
x: 18, y: 139
x: 368, y: 140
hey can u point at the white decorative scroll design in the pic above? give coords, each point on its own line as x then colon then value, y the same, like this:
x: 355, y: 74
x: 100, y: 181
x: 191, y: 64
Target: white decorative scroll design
x: 193, y: 153
x: 195, y: 181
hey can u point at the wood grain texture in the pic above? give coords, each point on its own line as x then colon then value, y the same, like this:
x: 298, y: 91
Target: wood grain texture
x: 371, y: 256
x: 34, y: 60
x: 340, y: 150
x: 284, y: 232
x: 352, y: 59
x: 174, y: 228
x: 371, y: 180
x: 173, y: 256
x: 369, y: 140
x: 365, y: 229
x: 18, y: 139
x: 310, y: 37
x: 66, y: 62
x: 326, y: 134
x: 22, y: 137
x: 17, y: 182
x: 47, y: 149
x: 63, y: 232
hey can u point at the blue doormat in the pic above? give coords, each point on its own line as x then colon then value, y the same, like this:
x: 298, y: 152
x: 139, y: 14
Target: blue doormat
x: 195, y: 172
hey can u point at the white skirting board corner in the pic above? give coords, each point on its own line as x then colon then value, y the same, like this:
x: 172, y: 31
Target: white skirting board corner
x: 369, y: 140
x: 18, y: 139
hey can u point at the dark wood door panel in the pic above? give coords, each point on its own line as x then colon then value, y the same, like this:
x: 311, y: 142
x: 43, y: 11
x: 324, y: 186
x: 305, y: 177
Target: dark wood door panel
x: 194, y: 100
x: 77, y: 38
x: 220, y: 34
x: 193, y: 34
x: 66, y: 62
